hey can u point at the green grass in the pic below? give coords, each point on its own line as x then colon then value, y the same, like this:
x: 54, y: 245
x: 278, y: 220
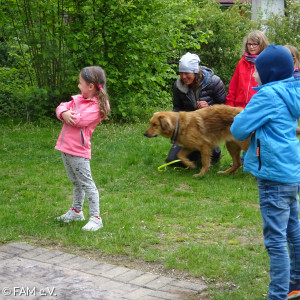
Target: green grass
x: 209, y: 227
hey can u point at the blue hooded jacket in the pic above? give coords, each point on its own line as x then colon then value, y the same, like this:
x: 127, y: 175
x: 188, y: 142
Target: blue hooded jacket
x: 272, y: 113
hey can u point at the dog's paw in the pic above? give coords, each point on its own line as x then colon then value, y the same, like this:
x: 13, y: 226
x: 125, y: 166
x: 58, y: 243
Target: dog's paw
x: 198, y: 175
x: 229, y: 171
x: 189, y: 163
x: 222, y: 172
x: 201, y: 174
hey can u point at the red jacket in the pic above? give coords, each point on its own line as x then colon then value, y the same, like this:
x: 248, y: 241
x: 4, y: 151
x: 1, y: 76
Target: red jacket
x: 240, y: 88
x: 75, y: 140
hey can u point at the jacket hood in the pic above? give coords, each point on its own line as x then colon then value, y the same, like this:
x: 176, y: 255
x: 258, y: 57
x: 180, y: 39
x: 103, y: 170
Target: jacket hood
x: 207, y: 74
x: 292, y: 100
x: 274, y: 63
x: 289, y: 91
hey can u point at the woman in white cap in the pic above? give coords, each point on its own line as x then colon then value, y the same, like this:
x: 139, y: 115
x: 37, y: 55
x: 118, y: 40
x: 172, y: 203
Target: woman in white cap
x: 196, y: 88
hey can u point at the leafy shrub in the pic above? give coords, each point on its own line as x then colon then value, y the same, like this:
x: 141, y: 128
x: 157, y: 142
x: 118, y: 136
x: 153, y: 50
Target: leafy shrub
x: 228, y: 28
x: 138, y: 43
x: 285, y: 29
x: 132, y: 40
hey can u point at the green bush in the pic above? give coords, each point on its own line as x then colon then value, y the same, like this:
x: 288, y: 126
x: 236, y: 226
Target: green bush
x: 138, y: 43
x: 223, y: 49
x: 284, y: 29
x: 10, y: 83
x: 132, y: 40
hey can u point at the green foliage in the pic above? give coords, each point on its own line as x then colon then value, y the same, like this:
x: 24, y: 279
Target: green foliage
x: 21, y: 101
x: 44, y: 45
x: 38, y: 26
x: 284, y: 29
x: 228, y: 28
x: 9, y: 106
x: 133, y: 40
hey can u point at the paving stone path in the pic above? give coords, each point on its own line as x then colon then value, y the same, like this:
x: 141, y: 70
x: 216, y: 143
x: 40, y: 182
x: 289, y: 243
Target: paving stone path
x: 30, y: 272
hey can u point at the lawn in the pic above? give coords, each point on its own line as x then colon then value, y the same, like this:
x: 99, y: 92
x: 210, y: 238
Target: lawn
x: 208, y: 227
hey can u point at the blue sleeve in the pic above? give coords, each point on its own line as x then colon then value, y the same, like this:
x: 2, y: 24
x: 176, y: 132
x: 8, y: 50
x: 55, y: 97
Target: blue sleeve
x: 260, y: 110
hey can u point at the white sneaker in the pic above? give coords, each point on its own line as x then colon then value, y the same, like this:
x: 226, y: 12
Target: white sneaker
x: 93, y: 224
x: 71, y: 215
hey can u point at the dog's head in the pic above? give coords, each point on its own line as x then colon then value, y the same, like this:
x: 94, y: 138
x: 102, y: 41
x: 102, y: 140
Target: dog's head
x: 161, y: 123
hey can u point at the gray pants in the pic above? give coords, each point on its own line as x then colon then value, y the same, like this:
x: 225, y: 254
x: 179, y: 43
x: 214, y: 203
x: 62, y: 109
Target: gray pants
x: 79, y: 172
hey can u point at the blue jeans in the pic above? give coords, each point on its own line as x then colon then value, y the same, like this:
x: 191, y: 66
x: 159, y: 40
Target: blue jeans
x: 279, y: 207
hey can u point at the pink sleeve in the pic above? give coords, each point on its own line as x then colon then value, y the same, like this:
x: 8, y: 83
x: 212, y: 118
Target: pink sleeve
x: 87, y: 116
x: 62, y: 107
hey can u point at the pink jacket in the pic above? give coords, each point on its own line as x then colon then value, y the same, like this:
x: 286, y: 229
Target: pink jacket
x: 75, y: 140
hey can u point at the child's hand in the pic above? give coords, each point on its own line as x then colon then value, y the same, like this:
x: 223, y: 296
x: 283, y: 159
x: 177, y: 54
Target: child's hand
x: 68, y: 117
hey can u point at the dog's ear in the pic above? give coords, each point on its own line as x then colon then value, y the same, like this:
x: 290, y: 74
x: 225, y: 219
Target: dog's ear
x: 165, y: 123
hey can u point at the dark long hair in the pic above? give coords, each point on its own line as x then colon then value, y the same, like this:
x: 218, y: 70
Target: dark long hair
x: 198, y: 79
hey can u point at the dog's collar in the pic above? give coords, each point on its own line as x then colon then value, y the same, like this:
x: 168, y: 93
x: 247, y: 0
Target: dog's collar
x: 175, y: 132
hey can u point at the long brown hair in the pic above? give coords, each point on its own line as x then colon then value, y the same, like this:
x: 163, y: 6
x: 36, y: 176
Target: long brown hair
x: 294, y: 51
x: 198, y: 79
x: 96, y: 75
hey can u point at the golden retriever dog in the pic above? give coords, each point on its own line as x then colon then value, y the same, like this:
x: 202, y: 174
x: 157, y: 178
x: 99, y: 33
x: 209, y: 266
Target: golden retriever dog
x: 201, y: 130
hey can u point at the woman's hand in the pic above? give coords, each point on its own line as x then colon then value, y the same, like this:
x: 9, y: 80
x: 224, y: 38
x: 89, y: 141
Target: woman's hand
x: 202, y: 104
x: 68, y: 117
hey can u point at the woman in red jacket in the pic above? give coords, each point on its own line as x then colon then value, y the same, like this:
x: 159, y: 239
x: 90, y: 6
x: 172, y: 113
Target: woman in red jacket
x: 240, y: 88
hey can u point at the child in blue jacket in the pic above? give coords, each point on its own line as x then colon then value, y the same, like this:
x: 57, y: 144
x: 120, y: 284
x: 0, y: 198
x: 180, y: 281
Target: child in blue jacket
x: 271, y: 118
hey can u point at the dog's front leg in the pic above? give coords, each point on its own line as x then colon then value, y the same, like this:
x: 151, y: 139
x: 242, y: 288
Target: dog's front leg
x: 205, y: 161
x: 182, y: 155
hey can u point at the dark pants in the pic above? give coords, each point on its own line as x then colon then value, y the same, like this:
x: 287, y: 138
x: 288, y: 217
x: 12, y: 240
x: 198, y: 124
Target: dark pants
x: 195, y: 156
